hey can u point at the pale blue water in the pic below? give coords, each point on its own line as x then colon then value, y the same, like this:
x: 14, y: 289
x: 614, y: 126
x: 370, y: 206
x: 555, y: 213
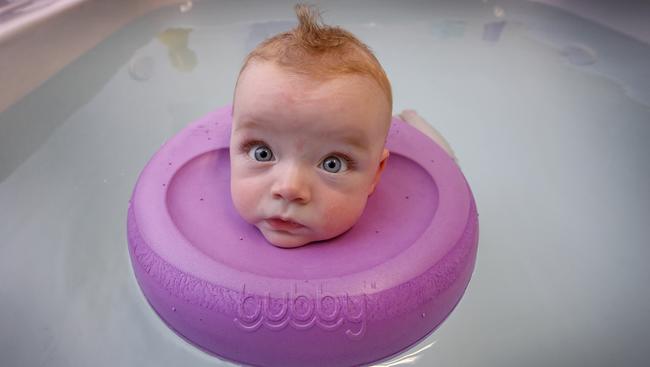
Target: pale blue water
x: 548, y: 113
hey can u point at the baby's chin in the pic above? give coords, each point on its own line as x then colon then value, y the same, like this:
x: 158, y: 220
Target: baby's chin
x: 285, y: 239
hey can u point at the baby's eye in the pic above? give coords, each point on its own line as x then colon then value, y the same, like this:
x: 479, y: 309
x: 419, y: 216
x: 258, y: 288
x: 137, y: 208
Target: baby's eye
x: 334, y: 164
x: 260, y: 152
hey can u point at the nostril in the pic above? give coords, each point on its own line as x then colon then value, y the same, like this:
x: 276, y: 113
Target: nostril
x: 292, y: 184
x: 290, y: 196
x: 298, y: 194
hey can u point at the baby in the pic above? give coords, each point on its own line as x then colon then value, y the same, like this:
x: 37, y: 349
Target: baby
x: 311, y: 113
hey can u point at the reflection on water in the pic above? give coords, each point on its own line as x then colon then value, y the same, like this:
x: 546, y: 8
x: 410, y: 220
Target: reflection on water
x: 449, y: 28
x: 409, y: 358
x: 142, y: 68
x: 492, y: 31
x: 180, y: 55
x: 185, y: 7
x: 499, y: 12
x: 12, y: 9
x: 579, y: 55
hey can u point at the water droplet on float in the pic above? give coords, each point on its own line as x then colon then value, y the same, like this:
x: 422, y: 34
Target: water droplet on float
x: 173, y: 308
x: 423, y: 314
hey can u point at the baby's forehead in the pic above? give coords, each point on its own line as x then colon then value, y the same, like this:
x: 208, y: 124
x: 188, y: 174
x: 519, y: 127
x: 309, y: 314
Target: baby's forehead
x: 306, y: 79
x: 276, y: 124
x: 343, y: 132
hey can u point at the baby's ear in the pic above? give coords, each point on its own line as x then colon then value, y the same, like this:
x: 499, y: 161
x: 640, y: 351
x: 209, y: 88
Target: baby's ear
x: 382, y: 164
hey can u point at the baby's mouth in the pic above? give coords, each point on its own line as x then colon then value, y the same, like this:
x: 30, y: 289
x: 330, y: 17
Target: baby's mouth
x: 283, y: 225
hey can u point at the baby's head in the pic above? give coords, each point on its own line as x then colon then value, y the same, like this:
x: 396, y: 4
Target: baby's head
x: 311, y: 113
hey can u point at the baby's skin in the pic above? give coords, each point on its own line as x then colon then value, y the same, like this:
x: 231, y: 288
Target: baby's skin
x: 306, y: 154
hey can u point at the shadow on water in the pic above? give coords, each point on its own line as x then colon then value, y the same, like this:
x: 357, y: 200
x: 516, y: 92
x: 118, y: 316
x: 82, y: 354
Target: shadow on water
x: 27, y: 124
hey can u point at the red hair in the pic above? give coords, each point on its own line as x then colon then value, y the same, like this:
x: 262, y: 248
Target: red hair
x: 320, y: 51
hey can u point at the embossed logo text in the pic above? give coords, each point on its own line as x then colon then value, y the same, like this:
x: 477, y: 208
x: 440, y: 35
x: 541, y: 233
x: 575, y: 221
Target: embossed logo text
x: 302, y: 312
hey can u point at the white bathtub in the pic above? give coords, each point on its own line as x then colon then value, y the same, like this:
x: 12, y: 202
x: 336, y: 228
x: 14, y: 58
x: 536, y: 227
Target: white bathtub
x: 546, y: 104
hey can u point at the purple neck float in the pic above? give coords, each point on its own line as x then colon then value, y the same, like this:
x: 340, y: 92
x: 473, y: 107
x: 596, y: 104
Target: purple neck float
x: 360, y: 297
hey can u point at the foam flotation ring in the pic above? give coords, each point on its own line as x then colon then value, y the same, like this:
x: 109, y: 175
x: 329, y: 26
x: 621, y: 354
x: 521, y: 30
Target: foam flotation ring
x: 363, y: 296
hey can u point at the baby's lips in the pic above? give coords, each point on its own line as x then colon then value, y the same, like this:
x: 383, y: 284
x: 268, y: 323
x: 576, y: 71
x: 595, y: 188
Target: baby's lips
x: 279, y: 223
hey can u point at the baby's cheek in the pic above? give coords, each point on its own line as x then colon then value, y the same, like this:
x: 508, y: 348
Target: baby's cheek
x: 244, y: 198
x: 343, y: 213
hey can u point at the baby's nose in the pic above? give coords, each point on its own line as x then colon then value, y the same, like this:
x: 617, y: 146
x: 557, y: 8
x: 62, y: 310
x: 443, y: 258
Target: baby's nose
x: 292, y: 185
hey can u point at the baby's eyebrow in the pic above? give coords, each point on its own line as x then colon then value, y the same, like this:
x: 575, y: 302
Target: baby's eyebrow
x: 356, y: 140
x: 248, y: 124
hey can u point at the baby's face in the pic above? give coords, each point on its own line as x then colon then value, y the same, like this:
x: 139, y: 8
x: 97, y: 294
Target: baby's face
x: 306, y: 151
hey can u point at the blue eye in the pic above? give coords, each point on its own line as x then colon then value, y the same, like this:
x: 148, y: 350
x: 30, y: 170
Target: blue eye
x: 333, y: 164
x: 261, y: 153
